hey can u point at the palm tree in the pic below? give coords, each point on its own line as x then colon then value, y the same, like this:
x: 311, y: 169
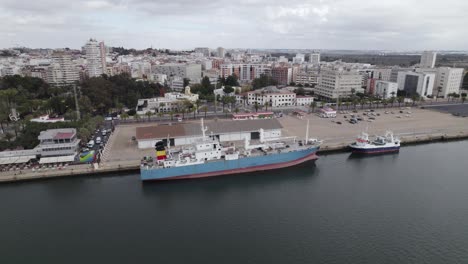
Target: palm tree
x: 322, y: 104
x: 355, y: 102
x: 391, y: 100
x: 137, y: 117
x: 312, y: 105
x: 171, y: 114
x: 347, y: 104
x: 400, y: 100
x: 205, y: 109
x: 266, y: 106
x: 160, y: 115
x: 256, y: 106
x: 236, y: 110
x: 149, y: 114
x: 363, y: 102
x: 377, y: 103
x: 244, y: 99
x: 439, y: 90
x: 385, y: 103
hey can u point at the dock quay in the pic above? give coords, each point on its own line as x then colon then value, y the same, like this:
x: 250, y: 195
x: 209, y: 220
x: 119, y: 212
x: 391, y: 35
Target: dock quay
x: 415, y: 126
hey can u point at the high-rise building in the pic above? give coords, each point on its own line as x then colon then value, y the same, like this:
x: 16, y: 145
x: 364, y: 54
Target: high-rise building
x: 93, y: 56
x: 314, y: 58
x: 61, y: 71
x: 336, y: 83
x: 282, y: 75
x: 412, y: 83
x: 204, y: 51
x: 103, y: 51
x: 428, y: 59
x: 449, y: 80
x: 221, y: 52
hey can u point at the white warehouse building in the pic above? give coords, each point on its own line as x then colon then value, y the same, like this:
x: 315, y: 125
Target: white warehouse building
x: 225, y: 131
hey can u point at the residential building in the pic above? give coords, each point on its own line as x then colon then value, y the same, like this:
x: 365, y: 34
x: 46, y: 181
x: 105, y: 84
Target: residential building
x: 204, y: 51
x: 282, y: 75
x: 170, y: 102
x: 304, y: 100
x: 103, y: 52
x: 93, y: 56
x: 395, y: 70
x: 271, y: 95
x: 338, y: 83
x: 314, y: 58
x: 310, y: 78
x: 62, y: 71
x: 449, y: 79
x: 385, y: 89
x: 428, y: 59
x: 416, y: 82
x: 181, y: 70
x: 221, y: 52
x: 300, y: 58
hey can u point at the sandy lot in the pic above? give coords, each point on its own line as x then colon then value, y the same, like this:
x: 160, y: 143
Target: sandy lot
x: 419, y: 122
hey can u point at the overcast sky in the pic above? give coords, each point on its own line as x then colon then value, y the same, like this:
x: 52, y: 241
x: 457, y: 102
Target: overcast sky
x: 185, y: 24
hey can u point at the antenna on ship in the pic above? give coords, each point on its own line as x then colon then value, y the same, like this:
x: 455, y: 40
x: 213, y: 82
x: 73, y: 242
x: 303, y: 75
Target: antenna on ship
x: 307, y: 132
x: 203, y: 129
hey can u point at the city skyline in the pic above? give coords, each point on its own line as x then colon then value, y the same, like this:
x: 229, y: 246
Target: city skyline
x: 182, y: 24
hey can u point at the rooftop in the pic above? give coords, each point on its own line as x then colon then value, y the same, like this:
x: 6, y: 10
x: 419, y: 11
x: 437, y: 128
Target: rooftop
x: 62, y: 133
x: 217, y: 127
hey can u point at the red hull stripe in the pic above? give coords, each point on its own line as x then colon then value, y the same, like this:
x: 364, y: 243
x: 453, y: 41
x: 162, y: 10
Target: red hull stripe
x: 243, y: 170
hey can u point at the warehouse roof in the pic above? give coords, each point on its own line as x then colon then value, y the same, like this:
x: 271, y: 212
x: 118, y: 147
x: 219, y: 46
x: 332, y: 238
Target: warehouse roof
x: 160, y: 131
x: 217, y: 127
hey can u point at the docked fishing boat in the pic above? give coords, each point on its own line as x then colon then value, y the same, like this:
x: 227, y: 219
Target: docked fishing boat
x: 380, y: 144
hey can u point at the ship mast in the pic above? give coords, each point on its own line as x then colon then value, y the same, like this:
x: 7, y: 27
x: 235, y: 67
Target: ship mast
x: 203, y: 129
x: 307, y: 132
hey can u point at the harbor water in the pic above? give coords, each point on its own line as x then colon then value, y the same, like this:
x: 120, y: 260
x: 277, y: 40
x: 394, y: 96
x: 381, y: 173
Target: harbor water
x: 410, y: 207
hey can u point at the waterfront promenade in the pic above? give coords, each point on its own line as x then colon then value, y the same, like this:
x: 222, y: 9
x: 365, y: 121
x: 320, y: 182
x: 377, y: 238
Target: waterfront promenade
x: 420, y: 125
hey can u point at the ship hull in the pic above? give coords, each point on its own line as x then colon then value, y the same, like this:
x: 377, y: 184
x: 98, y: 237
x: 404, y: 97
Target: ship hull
x: 229, y: 167
x: 375, y: 150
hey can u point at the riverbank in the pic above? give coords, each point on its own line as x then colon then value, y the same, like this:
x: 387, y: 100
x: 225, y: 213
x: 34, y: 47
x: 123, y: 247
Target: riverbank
x: 131, y: 166
x: 414, y: 126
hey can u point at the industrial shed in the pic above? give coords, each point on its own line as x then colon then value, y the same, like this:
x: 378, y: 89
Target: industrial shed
x: 225, y: 131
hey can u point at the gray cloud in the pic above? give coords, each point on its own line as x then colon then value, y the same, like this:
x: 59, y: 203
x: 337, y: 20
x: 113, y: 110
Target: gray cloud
x: 337, y: 24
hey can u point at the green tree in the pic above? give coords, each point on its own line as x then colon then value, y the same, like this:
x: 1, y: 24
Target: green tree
x: 186, y: 82
x: 263, y: 81
x: 137, y: 117
x: 256, y: 106
x: 84, y: 134
x: 231, y: 80
x: 312, y: 106
x: 124, y: 116
x: 228, y: 90
x: 463, y: 97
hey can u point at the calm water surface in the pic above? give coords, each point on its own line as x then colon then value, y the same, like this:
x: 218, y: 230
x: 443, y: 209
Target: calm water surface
x: 405, y: 208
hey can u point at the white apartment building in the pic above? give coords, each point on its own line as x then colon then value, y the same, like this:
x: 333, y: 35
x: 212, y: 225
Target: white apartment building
x: 62, y: 71
x: 311, y: 78
x: 416, y: 82
x: 449, y: 79
x: 272, y: 95
x: 385, y: 89
x: 338, y: 83
x: 140, y: 69
x: 314, y: 58
x: 93, y: 56
x: 205, y: 51
x: 181, y: 70
x: 428, y: 59
x: 170, y: 102
x: 300, y: 58
x: 304, y: 100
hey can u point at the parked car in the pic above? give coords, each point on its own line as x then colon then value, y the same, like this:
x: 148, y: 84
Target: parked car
x: 339, y: 123
x: 90, y: 144
x: 98, y: 140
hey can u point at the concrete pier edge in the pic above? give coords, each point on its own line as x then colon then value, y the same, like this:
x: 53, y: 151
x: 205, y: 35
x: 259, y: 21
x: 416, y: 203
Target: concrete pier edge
x: 122, y: 169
